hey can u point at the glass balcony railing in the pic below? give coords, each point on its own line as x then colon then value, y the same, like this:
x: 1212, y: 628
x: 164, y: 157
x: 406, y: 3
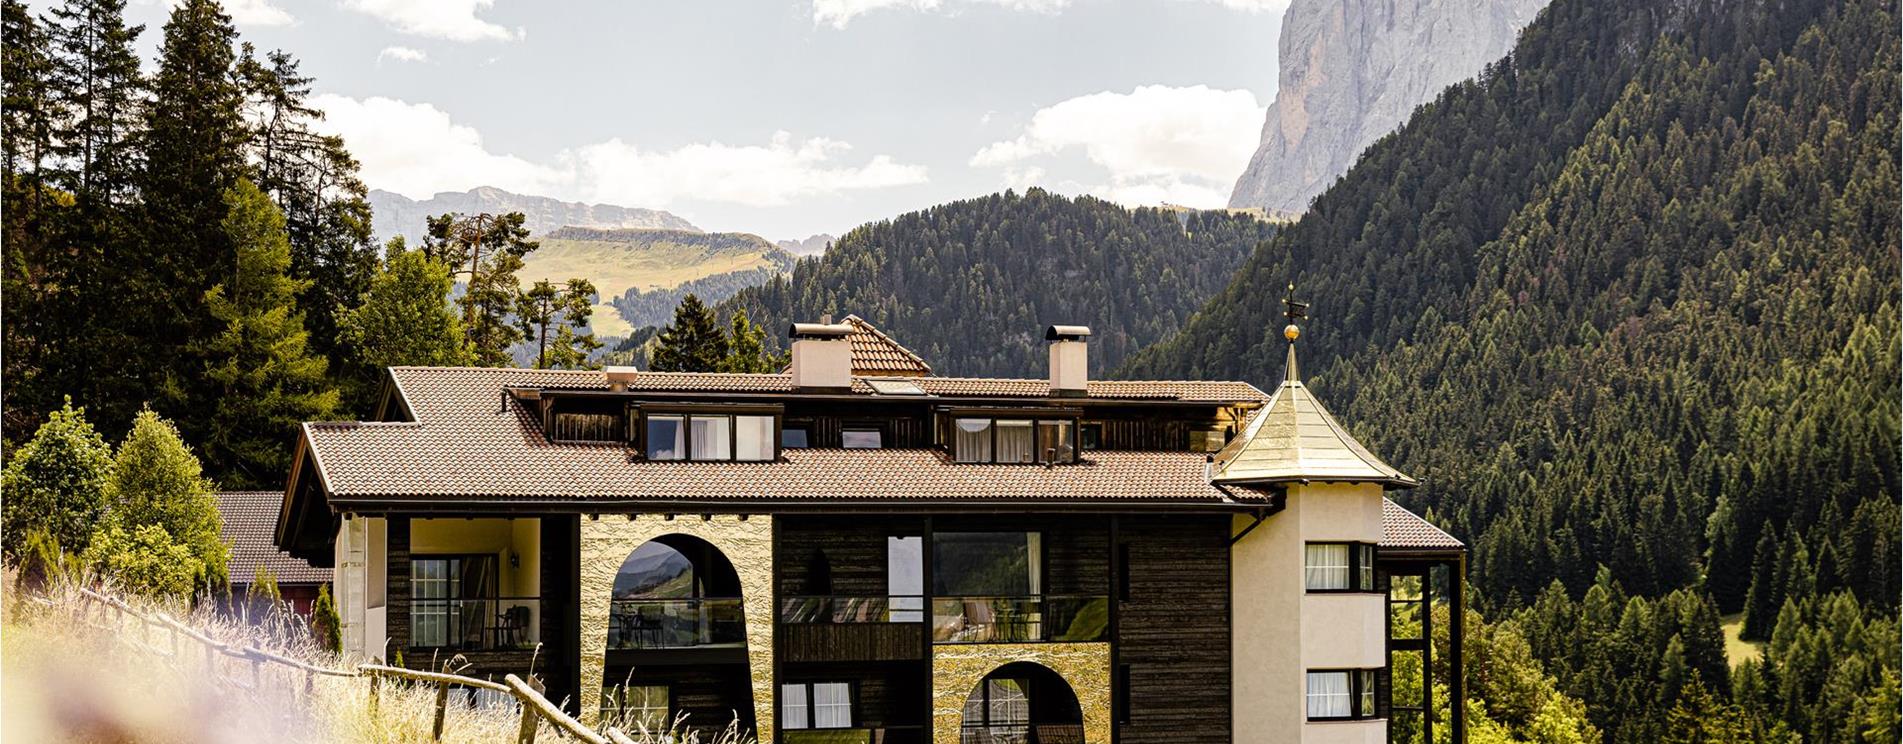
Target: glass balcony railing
x: 675, y: 623
x: 1038, y: 733
x: 859, y: 735
x: 829, y: 610
x: 486, y: 624
x: 1047, y: 617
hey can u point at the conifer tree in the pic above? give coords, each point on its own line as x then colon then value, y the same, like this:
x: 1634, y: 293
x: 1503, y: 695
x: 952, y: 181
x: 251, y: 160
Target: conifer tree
x: 486, y: 250
x: 746, y: 348
x: 326, y: 625
x: 193, y: 156
x: 158, y: 482
x: 32, y: 270
x: 404, y: 318
x: 57, y: 484
x: 566, y: 309
x: 264, y: 380
x: 1761, y: 602
x: 96, y: 73
x: 693, y: 342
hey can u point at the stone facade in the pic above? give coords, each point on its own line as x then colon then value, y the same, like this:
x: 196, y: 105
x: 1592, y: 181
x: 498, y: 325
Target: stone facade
x: 747, y: 542
x: 958, y: 668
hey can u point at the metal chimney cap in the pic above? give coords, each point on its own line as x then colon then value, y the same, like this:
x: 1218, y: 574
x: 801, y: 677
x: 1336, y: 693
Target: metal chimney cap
x: 818, y: 330
x: 1066, y: 333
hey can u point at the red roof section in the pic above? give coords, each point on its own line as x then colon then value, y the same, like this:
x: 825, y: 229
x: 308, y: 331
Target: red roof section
x: 1403, y: 530
x: 250, y: 518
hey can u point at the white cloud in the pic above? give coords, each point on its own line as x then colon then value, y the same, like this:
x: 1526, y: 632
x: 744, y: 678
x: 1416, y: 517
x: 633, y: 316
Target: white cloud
x: 1254, y: 6
x: 257, y: 13
x: 416, y: 149
x: 402, y: 54
x: 1158, y: 143
x: 454, y: 20
x: 838, y: 13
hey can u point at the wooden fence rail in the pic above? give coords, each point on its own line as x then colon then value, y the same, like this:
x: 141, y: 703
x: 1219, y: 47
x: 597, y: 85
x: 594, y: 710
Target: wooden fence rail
x: 535, y: 707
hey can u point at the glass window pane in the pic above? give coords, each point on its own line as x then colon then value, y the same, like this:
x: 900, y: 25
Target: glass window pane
x: 753, y: 438
x: 1328, y: 695
x: 905, y: 578
x: 1364, y: 568
x: 1366, y: 709
x: 793, y: 707
x: 793, y: 437
x: 832, y: 705
x: 1090, y: 436
x: 1015, y: 442
x: 860, y: 439
x: 973, y: 440
x: 984, y: 564
x: 1009, y: 705
x: 1054, y: 442
x: 664, y: 438
x: 712, y: 438
x: 1327, y: 566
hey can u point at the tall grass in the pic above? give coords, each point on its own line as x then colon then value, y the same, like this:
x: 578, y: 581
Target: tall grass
x: 67, y: 680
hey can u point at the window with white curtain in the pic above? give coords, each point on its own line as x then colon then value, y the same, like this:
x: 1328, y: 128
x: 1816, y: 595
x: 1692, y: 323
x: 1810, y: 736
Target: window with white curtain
x: 1339, y: 567
x: 972, y: 441
x: 832, y: 705
x: 1326, y: 567
x: 794, y: 707
x: 1341, y: 693
x: 711, y: 437
x: 753, y: 438
x: 1015, y: 442
x: 816, y: 705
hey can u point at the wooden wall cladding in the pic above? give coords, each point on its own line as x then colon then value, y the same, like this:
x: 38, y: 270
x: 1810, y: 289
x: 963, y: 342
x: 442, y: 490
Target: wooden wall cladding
x: 1173, y: 630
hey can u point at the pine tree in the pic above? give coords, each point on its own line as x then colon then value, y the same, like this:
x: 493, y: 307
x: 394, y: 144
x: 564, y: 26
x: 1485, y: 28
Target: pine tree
x: 1763, y: 599
x: 193, y: 146
x: 314, y: 182
x: 746, y: 348
x: 404, y: 319
x: 33, y: 272
x: 57, y: 484
x: 326, y: 625
x: 158, y: 482
x: 566, y: 309
x: 694, y: 342
x: 265, y: 382
x: 96, y: 72
x: 486, y: 250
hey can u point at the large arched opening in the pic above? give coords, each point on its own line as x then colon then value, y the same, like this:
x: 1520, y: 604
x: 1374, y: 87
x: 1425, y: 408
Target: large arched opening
x: 677, y: 640
x: 1022, y: 703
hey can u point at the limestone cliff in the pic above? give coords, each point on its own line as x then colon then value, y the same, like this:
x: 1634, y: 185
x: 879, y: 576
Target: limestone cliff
x: 1353, y: 70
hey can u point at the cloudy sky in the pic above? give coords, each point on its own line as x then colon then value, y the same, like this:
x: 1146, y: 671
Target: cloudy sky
x: 784, y: 117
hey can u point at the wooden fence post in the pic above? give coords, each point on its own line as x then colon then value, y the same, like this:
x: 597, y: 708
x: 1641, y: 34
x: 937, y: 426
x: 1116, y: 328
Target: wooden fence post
x: 442, y: 709
x: 525, y: 734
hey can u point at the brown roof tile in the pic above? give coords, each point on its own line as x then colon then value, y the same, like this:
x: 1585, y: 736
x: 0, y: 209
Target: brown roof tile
x: 466, y: 444
x: 1401, y: 529
x: 874, y: 353
x: 250, y: 517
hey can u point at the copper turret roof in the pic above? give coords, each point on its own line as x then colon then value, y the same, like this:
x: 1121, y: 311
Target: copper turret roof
x: 1293, y: 438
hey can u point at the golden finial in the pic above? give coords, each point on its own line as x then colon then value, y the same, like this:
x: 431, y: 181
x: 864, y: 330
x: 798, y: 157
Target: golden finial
x: 1296, y: 311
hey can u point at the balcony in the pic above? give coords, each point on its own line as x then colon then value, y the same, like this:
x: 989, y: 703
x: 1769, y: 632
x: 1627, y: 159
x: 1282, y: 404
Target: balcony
x: 480, y: 624
x: 644, y: 624
x: 1042, y: 733
x: 861, y: 735
x: 842, y: 610
x: 1047, y: 618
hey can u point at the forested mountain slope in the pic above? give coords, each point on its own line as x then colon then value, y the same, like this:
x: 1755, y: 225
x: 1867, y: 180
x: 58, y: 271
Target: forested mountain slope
x: 1630, y: 300
x: 969, y: 285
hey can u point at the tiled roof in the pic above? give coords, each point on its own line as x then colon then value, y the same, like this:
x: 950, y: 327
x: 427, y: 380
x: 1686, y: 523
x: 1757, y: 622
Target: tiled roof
x: 874, y: 353
x: 1401, y: 529
x: 250, y: 517
x: 727, y: 382
x: 1294, y: 438
x: 467, y: 443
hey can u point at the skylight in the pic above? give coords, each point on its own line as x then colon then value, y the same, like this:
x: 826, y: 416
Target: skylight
x: 895, y: 387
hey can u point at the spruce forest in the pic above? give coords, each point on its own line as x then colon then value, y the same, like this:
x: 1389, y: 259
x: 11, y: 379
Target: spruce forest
x: 1627, y: 303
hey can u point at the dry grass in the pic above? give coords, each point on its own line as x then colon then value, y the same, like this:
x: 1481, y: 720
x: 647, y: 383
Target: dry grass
x: 67, y: 680
x: 1738, y: 650
x: 645, y: 260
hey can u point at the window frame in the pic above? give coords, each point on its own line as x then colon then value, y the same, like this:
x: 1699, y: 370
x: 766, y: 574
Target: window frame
x: 1034, y: 421
x: 812, y: 706
x: 452, y: 621
x: 862, y: 426
x: 1363, y: 684
x: 732, y: 413
x: 619, y: 698
x: 1097, y: 431
x: 1362, y: 558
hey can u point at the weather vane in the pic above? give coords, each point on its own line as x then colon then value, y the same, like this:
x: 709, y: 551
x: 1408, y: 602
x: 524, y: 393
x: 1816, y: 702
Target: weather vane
x: 1296, y: 311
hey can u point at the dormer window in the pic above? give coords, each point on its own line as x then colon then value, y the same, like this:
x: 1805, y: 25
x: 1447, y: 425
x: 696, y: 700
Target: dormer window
x: 997, y: 439
x: 710, y: 434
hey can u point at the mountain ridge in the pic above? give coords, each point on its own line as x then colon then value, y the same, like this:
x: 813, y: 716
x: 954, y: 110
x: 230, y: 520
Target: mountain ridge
x: 395, y: 214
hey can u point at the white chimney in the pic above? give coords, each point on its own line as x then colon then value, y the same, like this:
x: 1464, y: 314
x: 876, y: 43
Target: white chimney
x: 619, y: 378
x: 1070, y: 360
x: 822, y: 356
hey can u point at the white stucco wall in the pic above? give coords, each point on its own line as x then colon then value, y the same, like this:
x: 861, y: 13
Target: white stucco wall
x: 1281, y: 631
